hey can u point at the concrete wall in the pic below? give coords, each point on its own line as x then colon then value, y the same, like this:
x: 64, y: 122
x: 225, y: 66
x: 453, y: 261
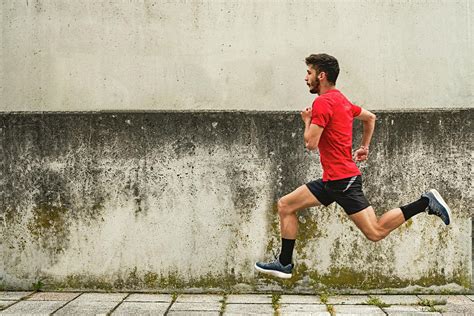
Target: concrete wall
x: 130, y: 199
x: 167, y: 200
x: 227, y: 55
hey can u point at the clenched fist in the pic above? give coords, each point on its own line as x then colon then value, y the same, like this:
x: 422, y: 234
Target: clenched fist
x: 306, y: 115
x: 361, y: 154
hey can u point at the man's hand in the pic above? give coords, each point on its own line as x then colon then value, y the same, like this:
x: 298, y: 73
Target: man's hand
x: 368, y: 120
x: 361, y: 154
x: 306, y: 115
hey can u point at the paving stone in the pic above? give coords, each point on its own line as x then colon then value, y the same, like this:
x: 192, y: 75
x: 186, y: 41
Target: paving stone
x: 406, y: 310
x: 199, y: 298
x: 471, y: 297
x: 4, y: 303
x: 467, y: 309
x: 348, y: 299
x: 101, y: 297
x: 187, y: 313
x: 196, y: 306
x: 366, y: 310
x: 249, y: 309
x: 13, y: 295
x: 33, y: 307
x: 300, y: 299
x: 53, y: 296
x: 84, y: 308
x: 458, y: 299
x: 141, y: 308
x: 136, y: 297
x: 304, y: 309
x: 437, y: 298
x: 398, y: 299
x: 249, y: 299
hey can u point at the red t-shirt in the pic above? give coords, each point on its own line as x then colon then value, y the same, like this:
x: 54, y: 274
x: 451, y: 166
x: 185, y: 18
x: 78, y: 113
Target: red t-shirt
x: 335, y: 113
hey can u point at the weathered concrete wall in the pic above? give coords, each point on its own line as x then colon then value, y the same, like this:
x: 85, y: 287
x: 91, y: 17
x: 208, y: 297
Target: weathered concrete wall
x: 166, y: 200
x: 226, y: 55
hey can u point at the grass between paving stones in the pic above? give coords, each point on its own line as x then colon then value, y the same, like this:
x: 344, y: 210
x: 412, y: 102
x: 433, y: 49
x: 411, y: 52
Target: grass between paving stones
x: 324, y: 297
x: 431, y: 305
x: 435, y: 309
x: 376, y: 302
x: 331, y: 310
x: 427, y: 302
x: 276, y: 303
x: 174, y: 296
x: 224, y: 303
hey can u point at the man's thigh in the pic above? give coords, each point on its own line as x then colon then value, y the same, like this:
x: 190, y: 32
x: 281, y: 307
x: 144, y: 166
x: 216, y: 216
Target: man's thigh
x: 365, y: 220
x: 300, y: 198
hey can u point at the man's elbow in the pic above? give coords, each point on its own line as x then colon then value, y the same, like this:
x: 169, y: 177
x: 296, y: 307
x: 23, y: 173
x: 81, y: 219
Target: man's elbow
x: 367, y: 116
x: 373, y: 117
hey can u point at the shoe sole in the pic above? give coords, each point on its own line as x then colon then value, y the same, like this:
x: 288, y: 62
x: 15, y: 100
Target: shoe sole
x: 443, y: 203
x: 277, y: 274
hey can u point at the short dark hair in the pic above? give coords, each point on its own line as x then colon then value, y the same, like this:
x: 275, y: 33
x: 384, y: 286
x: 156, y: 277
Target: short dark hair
x: 324, y: 63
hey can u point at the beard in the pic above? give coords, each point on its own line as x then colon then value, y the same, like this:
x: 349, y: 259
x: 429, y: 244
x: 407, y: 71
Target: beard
x: 316, y: 88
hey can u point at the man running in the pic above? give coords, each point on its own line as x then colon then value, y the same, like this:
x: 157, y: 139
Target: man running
x: 328, y: 127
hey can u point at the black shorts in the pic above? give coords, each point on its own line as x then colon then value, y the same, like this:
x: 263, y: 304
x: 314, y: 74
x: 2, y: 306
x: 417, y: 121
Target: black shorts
x: 345, y: 192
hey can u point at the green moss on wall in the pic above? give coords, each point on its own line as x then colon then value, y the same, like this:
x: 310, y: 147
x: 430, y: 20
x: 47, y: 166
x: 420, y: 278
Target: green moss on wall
x: 49, y: 227
x: 346, y: 278
x: 47, y: 219
x: 151, y: 281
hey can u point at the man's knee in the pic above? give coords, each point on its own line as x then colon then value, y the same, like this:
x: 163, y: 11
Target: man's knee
x: 283, y: 207
x: 375, y: 235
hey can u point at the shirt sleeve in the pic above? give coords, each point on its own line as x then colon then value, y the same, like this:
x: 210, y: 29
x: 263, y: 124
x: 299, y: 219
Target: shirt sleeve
x: 356, y: 110
x: 321, y: 112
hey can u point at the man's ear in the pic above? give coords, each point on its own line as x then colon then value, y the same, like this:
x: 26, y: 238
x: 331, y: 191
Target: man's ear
x: 321, y: 75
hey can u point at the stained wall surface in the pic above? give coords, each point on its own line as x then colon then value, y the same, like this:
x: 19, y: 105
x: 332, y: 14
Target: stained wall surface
x: 167, y: 200
x: 232, y: 55
x: 144, y: 144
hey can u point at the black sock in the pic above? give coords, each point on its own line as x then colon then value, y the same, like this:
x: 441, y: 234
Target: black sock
x: 414, y: 208
x: 286, y: 253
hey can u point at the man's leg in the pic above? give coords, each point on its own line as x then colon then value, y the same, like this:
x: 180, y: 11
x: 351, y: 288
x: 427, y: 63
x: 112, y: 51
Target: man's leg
x: 288, y: 206
x: 377, y: 229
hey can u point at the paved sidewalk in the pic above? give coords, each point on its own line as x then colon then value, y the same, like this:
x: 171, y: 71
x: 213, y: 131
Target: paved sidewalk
x: 86, y: 303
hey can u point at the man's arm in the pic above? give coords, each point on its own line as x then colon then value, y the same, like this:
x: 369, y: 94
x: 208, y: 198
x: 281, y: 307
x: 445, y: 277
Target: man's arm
x: 368, y: 121
x: 312, y: 132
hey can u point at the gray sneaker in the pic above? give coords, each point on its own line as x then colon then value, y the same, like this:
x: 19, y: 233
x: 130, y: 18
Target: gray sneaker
x: 275, y: 268
x: 437, y: 206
